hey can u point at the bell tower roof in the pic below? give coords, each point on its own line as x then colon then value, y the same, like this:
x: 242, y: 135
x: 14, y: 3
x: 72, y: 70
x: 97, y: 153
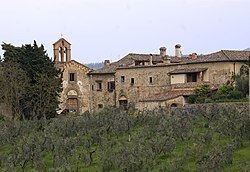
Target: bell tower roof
x: 60, y: 40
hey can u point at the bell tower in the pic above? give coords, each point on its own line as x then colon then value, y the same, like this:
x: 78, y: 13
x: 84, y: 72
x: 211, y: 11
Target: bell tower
x: 62, y: 51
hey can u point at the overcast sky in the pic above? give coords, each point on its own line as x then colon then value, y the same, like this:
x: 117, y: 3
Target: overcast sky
x: 110, y: 29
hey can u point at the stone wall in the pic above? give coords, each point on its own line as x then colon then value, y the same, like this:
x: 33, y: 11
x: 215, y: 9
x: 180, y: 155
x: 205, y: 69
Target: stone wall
x: 217, y: 74
x: 152, y: 105
x: 207, y: 108
x: 241, y: 107
x: 79, y: 88
x: 101, y: 97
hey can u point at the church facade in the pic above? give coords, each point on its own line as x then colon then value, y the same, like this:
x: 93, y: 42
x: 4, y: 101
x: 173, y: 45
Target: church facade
x: 148, y: 81
x: 75, y: 95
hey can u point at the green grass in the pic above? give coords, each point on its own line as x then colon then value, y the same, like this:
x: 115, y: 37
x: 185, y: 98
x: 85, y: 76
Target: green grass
x: 243, y: 153
x: 241, y: 159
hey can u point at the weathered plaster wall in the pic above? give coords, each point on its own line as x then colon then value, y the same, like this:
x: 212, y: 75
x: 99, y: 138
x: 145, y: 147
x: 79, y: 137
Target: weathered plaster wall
x: 178, y: 78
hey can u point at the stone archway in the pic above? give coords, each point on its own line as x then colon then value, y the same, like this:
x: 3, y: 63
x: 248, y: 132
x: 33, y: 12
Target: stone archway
x: 123, y: 101
x: 174, y: 105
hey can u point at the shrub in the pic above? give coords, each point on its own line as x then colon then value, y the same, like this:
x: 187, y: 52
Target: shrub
x: 200, y: 94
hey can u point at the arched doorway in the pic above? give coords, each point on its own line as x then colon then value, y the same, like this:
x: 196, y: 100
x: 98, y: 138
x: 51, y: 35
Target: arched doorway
x: 174, y: 105
x: 123, y: 101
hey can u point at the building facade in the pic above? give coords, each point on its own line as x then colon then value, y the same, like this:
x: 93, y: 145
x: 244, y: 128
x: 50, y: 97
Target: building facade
x: 148, y: 81
x: 75, y: 97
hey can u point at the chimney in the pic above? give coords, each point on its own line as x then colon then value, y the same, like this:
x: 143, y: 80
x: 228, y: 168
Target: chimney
x: 163, y: 51
x: 194, y: 56
x: 178, y: 50
x: 151, y: 59
x: 166, y: 59
x: 106, y: 63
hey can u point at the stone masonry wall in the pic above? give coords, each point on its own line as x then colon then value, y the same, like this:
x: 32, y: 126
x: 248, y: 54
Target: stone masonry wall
x: 104, y: 96
x: 217, y: 74
x: 209, y: 107
x: 80, y: 86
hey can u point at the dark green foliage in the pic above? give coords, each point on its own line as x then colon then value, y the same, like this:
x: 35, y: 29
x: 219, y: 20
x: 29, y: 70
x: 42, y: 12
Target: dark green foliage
x: 200, y: 94
x: 227, y: 92
x: 242, y: 80
x: 13, y: 84
x: 28, y: 71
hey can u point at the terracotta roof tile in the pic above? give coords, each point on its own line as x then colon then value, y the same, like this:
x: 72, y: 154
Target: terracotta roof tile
x: 187, y: 70
x: 61, y: 39
x: 236, y: 55
x: 220, y: 56
x: 62, y: 64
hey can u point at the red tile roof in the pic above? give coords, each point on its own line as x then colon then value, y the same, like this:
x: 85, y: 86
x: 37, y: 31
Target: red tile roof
x: 187, y: 70
x: 220, y: 56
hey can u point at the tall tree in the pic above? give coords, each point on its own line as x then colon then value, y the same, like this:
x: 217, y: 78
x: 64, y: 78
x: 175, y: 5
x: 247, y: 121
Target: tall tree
x: 13, y: 84
x: 44, y: 81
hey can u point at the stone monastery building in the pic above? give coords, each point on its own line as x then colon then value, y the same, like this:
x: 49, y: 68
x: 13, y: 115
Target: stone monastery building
x: 148, y: 81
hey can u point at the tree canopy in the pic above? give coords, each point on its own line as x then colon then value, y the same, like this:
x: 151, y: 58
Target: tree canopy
x: 30, y: 82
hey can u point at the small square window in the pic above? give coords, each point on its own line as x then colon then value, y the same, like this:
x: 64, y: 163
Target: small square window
x: 122, y: 78
x: 100, y: 106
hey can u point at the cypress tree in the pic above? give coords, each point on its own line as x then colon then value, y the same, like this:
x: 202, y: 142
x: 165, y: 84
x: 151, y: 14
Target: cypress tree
x: 41, y: 93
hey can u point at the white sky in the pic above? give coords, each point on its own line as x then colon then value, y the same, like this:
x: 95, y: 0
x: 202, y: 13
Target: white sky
x: 110, y: 29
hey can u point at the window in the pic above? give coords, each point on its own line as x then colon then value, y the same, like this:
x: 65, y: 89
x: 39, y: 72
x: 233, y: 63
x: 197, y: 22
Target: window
x: 132, y: 81
x: 122, y: 78
x: 100, y: 106
x: 150, y: 80
x: 99, y: 85
x: 192, y: 77
x: 111, y: 85
x: 71, y: 76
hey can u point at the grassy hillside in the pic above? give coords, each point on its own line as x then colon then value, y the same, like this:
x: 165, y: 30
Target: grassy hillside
x: 113, y: 140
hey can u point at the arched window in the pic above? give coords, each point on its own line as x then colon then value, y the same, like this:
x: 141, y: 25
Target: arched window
x: 61, y: 54
x: 66, y: 54
x: 123, y: 101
